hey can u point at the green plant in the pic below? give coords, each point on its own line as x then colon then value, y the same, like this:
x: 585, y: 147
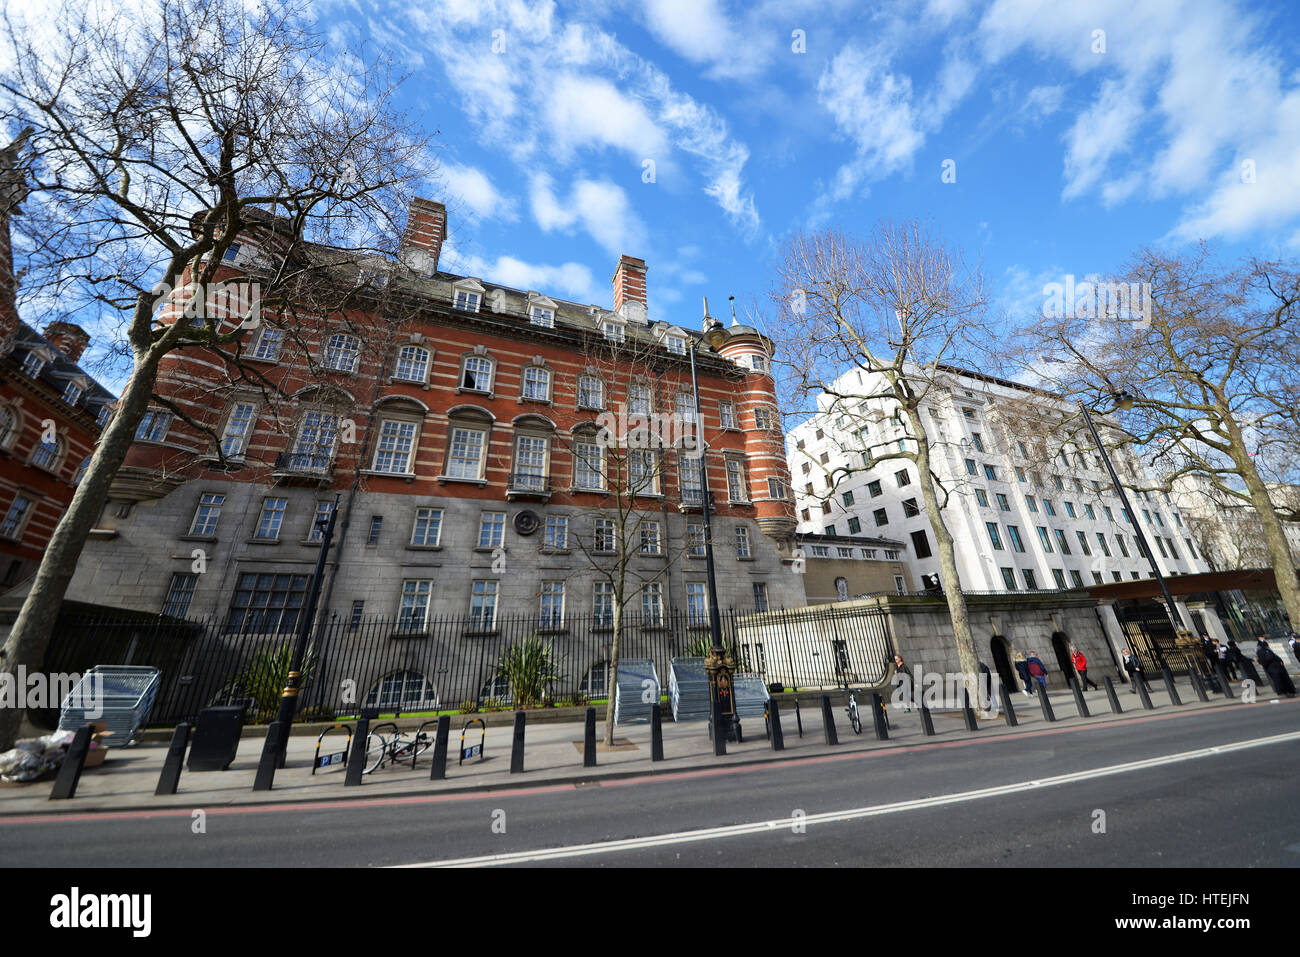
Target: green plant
x: 469, y: 706
x: 529, y: 666
x: 701, y: 646
x: 264, y: 678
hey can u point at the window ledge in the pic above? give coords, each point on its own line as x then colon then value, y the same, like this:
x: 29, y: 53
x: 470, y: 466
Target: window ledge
x: 481, y: 483
x: 263, y: 541
x: 484, y: 392
x: 524, y: 398
x: 408, y: 476
x: 489, y: 549
x: 545, y: 550
x: 746, y: 558
x: 425, y: 548
x: 197, y: 538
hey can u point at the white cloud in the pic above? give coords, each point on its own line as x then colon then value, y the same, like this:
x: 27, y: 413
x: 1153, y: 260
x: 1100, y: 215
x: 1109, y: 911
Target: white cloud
x: 600, y: 207
x: 569, y: 280
x: 475, y: 192
x: 591, y: 112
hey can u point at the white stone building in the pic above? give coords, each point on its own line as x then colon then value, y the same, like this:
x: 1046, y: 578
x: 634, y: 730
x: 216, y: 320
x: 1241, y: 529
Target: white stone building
x: 1024, y: 517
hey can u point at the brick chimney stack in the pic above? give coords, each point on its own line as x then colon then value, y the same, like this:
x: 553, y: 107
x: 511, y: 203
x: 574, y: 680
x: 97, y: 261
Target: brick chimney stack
x: 426, y: 228
x: 629, y: 282
x: 68, y: 338
x: 13, y: 190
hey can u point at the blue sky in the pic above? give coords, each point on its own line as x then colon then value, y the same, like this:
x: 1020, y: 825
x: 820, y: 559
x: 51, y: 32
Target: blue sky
x: 1071, y: 148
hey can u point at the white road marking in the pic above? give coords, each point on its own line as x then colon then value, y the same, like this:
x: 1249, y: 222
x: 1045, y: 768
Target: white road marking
x: 756, y: 827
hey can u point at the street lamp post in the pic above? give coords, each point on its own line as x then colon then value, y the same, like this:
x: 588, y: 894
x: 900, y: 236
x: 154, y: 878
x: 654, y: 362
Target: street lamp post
x: 1175, y: 618
x: 719, y: 665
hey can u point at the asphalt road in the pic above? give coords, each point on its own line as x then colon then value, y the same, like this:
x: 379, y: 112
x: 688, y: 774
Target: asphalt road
x: 912, y: 807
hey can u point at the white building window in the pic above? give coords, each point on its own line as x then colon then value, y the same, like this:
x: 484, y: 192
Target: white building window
x: 207, y: 514
x: 483, y: 604
x: 652, y: 604
x: 239, y: 426
x: 414, y: 609
x: 557, y: 532
x: 695, y: 541
x: 651, y: 541
x: 697, y: 605
x: 396, y: 442
x: 638, y: 400
x: 342, y: 352
x: 537, y: 383
x: 13, y: 522
x: 552, y: 607
x: 742, y: 542
x: 316, y: 530
x: 686, y: 407
x: 676, y: 345
x: 33, y: 363
x: 315, y: 444
x: 591, y: 392
x: 272, y: 517
x: 727, y: 411
x: 465, y: 459
x: 72, y: 394
x: 491, y: 529
x: 476, y: 374
x: 613, y: 331
x: 412, y: 364
x: 46, y: 455
x: 541, y: 316
x: 268, y: 343
x: 588, y: 466
x: 153, y: 426
x: 602, y: 604
x: 691, y: 485
x: 82, y: 469
x: 737, y: 487
x: 606, y: 535
x: 427, y: 530
x: 643, y: 472
x: 467, y: 300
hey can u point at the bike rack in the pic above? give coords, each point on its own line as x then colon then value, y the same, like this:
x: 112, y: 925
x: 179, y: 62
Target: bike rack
x: 418, y: 732
x: 473, y: 749
x: 334, y: 757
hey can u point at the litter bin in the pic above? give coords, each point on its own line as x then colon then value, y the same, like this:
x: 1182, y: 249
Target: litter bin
x: 216, y: 739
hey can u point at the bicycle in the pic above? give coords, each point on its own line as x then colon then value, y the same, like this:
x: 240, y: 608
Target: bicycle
x: 855, y: 719
x: 394, y: 749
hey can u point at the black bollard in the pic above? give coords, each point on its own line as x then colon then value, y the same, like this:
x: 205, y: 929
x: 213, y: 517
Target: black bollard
x: 967, y: 712
x: 774, y: 723
x: 1224, y: 683
x: 1048, y: 714
x: 1141, y: 684
x: 656, y: 733
x: 517, y: 749
x: 927, y: 723
x: 716, y: 731
x: 272, y: 756
x: 828, y: 721
x: 65, y: 785
x: 1111, y: 696
x: 881, y: 719
x: 1079, y: 701
x: 798, y: 717
x: 1197, y: 686
x: 171, y: 770
x: 589, y: 740
x: 357, y: 759
x: 1008, y: 708
x: 439, y: 770
x: 1169, y: 685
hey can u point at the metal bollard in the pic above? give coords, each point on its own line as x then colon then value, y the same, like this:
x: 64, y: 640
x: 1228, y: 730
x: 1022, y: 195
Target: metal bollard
x: 1111, y: 696
x: 716, y: 729
x: 1143, y: 694
x: 656, y: 732
x: 272, y: 756
x: 1169, y: 684
x: 439, y: 770
x: 357, y: 759
x: 1079, y: 701
x: 828, y: 721
x: 927, y: 722
x: 589, y: 740
x: 1048, y: 714
x: 1224, y: 682
x: 517, y: 749
x: 171, y: 770
x: 774, y: 723
x: 1198, y: 687
x: 879, y: 716
x: 798, y: 716
x: 65, y: 785
x: 1009, y: 708
x: 967, y: 712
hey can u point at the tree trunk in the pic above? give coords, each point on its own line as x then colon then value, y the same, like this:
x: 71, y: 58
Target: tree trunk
x: 1279, y: 552
x: 949, y: 578
x: 31, y: 633
x: 613, y: 670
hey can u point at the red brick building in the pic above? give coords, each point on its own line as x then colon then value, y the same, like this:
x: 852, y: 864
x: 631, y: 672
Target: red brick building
x: 51, y: 412
x: 441, y: 409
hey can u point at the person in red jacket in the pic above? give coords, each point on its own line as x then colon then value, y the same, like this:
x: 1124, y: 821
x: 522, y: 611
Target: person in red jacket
x: 1081, y: 666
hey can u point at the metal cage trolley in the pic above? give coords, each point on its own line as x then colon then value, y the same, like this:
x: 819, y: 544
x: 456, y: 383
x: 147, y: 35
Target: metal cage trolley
x: 119, y: 695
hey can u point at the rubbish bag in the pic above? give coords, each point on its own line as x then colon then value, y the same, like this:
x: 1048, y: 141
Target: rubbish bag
x: 19, y: 764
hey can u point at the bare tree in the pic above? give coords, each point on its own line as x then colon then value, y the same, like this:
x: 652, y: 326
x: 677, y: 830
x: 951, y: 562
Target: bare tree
x: 161, y: 137
x: 1204, y: 382
x: 894, y: 307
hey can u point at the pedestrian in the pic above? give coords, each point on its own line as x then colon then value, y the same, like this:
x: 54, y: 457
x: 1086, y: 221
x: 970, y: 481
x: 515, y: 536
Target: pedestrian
x: 1081, y: 666
x: 1022, y: 669
x: 1294, y: 641
x: 904, y: 684
x: 988, y: 690
x: 1235, y: 657
x: 1226, y: 660
x: 1133, y: 665
x: 1037, y: 670
x: 1274, y: 667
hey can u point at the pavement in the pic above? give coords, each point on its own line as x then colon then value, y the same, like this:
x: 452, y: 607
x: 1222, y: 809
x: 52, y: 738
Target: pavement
x: 553, y: 756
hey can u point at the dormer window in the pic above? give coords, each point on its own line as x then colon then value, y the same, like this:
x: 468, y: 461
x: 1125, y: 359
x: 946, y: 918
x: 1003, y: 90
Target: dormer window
x: 676, y: 345
x: 540, y: 316
x: 759, y: 363
x: 72, y: 393
x: 613, y: 331
x: 467, y: 300
x: 105, y: 413
x: 33, y: 364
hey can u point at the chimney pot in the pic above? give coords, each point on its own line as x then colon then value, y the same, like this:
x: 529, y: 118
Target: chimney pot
x: 629, y: 282
x: 68, y: 338
x: 426, y: 228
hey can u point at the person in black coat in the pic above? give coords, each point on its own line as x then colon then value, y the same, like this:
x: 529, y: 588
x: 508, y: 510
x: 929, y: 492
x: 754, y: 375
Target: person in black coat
x: 1133, y: 665
x: 1276, y: 669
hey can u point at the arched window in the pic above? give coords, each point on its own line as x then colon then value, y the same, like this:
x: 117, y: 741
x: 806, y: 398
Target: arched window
x: 47, y: 455
x: 591, y: 392
x: 402, y: 691
x: 536, y: 383
x: 10, y: 421
x: 412, y: 364
x: 341, y: 352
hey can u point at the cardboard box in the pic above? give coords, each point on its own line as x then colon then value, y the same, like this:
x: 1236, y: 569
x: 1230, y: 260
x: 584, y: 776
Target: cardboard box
x: 98, y: 752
